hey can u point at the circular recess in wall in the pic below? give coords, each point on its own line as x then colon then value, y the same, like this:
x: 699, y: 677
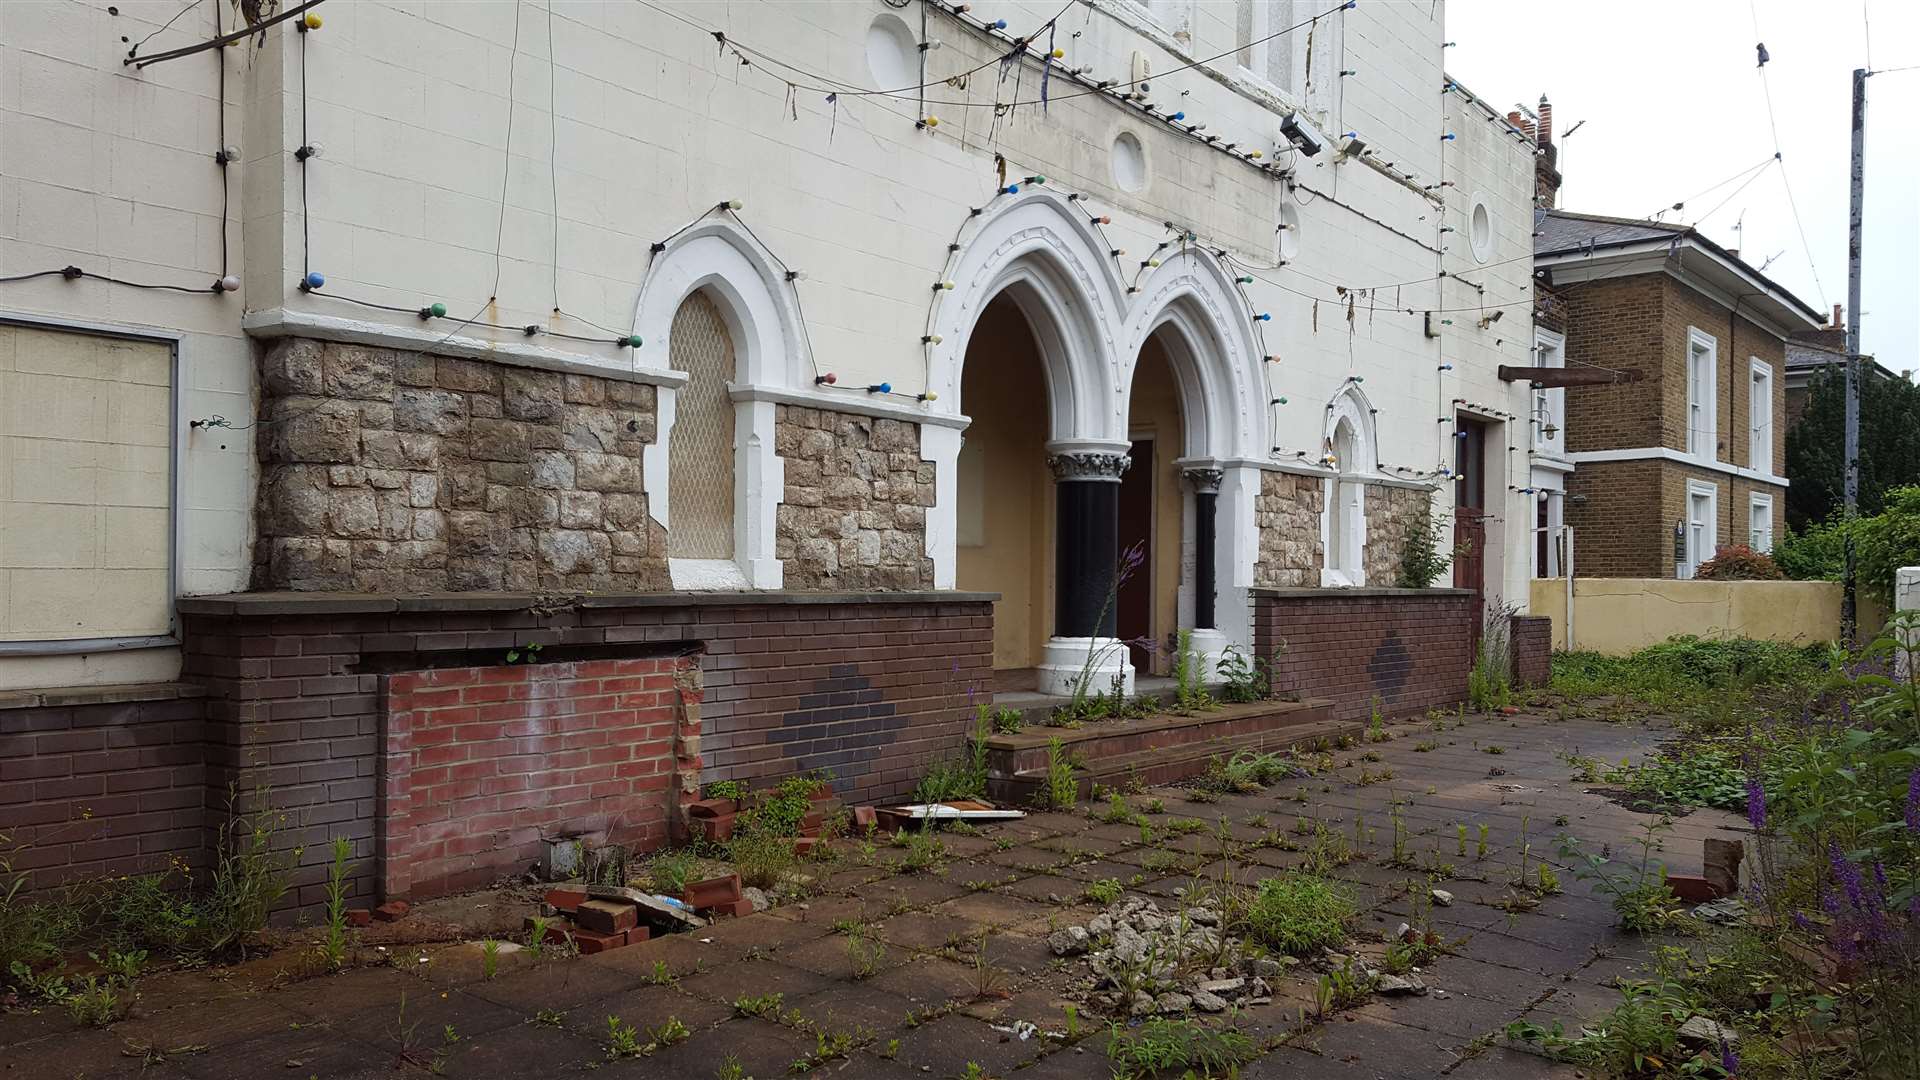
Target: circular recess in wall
x: 1480, y: 230
x: 893, y: 55
x: 1289, y: 232
x: 1129, y: 161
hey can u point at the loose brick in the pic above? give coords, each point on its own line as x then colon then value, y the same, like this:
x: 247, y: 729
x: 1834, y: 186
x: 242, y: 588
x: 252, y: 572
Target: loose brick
x: 359, y: 916
x: 566, y: 897
x: 392, y: 911
x: 606, y: 916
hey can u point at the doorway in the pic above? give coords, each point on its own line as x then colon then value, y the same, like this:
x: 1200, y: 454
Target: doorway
x: 1470, y: 515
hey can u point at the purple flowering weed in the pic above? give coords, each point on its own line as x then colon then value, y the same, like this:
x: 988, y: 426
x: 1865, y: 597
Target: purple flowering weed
x: 1756, y: 803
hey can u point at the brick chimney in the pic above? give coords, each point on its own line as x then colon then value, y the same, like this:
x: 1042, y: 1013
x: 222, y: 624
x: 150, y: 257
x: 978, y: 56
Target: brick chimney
x: 1546, y: 162
x: 1839, y: 320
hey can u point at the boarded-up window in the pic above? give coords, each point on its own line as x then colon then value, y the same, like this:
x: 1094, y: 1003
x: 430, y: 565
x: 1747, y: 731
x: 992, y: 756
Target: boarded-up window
x: 700, y: 453
x: 85, y: 486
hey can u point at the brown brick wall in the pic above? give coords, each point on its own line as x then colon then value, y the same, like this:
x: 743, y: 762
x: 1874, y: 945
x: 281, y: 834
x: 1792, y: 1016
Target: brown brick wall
x: 1625, y: 526
x: 481, y: 764
x: 1617, y: 324
x: 873, y: 689
x: 1532, y: 648
x: 90, y: 790
x: 1408, y: 649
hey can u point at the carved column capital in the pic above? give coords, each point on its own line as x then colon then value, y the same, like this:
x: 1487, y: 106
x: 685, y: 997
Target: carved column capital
x: 1204, y: 481
x: 1088, y: 465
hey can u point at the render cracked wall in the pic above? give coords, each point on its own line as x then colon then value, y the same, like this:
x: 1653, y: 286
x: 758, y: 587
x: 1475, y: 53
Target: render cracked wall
x: 393, y: 471
x: 854, y: 515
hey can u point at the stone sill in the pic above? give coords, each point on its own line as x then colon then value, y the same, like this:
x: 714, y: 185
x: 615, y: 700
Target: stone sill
x: 1336, y: 592
x: 317, y: 603
x: 61, y: 697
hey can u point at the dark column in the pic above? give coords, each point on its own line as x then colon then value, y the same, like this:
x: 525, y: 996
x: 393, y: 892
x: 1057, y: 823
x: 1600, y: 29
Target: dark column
x: 1087, y: 541
x: 1206, y: 499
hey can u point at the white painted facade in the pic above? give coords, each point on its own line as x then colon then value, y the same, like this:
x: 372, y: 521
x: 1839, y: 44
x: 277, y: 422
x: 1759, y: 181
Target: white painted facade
x: 517, y: 161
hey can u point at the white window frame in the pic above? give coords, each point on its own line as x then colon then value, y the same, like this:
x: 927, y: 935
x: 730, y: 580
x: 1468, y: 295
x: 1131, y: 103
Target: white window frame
x: 1703, y: 397
x: 1549, y: 403
x: 1700, y: 546
x: 1343, y: 515
x: 1759, y: 415
x: 1760, y: 504
x: 1555, y: 501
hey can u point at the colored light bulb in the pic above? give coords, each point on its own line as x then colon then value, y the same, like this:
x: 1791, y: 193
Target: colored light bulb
x: 314, y: 279
x: 633, y: 341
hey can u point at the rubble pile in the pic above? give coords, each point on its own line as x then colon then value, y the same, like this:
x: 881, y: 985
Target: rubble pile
x: 1145, y: 961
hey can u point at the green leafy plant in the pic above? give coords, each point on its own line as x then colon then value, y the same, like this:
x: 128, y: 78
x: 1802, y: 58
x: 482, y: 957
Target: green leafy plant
x: 489, y: 959
x: 763, y: 859
x: 1299, y: 914
x: 670, y: 870
x: 1164, y: 1045
x: 1189, y: 694
x: 866, y: 955
x: 1423, y: 554
x: 333, y: 946
x: 1490, y: 682
x: 525, y: 654
x: 1061, y: 789
x: 761, y: 1005
x: 1105, y: 891
x: 623, y: 1039
x: 725, y: 789
x: 1242, y: 678
x: 1639, y: 892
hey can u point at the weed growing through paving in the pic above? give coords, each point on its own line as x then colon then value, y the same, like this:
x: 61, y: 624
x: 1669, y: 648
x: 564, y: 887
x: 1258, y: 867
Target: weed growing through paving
x: 333, y: 946
x: 537, y: 936
x: 1061, y: 790
x: 489, y: 959
x: 100, y: 999
x: 671, y: 1031
x: 1104, y: 892
x: 670, y: 870
x: 660, y: 975
x: 1164, y: 1045
x: 866, y: 955
x: 730, y: 1069
x: 764, y: 1005
x: 1299, y: 914
x: 1189, y: 694
x: 1480, y: 845
x: 1640, y: 896
x: 622, y: 1039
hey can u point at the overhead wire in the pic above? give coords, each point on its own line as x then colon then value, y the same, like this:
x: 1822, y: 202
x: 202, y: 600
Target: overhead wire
x: 1773, y: 127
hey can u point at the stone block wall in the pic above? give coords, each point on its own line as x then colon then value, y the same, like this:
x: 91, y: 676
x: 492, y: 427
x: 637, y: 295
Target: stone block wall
x: 1408, y: 650
x: 854, y: 514
x: 1287, y: 512
x: 384, y: 470
x: 1391, y: 511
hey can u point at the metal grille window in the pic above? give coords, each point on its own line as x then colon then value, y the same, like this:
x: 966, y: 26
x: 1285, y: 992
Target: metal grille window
x: 700, y: 453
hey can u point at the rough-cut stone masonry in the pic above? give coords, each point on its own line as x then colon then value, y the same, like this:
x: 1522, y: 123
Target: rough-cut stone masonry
x: 854, y: 515
x: 1391, y: 511
x: 391, y: 471
x: 1288, y: 515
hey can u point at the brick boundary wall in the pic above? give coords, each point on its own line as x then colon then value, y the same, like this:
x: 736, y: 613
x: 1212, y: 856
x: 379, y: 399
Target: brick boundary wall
x: 1409, y: 648
x: 1532, y: 646
x: 870, y: 686
x: 479, y: 765
x: 103, y: 782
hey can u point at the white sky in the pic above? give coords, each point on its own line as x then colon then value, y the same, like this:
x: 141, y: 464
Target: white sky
x: 1673, y: 104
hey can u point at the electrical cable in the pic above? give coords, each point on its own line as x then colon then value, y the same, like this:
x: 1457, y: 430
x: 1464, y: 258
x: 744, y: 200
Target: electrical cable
x: 176, y: 18
x: 1773, y: 126
x: 224, y: 39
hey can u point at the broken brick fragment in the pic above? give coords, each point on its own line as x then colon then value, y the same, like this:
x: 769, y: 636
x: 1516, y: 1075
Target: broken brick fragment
x: 359, y: 916
x: 566, y: 897
x: 713, y: 892
x: 392, y: 911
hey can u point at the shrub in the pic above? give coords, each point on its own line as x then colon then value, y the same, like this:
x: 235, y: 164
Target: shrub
x: 1816, y: 554
x: 1422, y: 559
x: 1738, y: 562
x: 1299, y: 913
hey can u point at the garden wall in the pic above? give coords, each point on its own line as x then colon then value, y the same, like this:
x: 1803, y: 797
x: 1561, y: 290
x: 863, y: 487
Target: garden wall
x: 481, y: 764
x: 103, y: 782
x: 872, y: 687
x: 1621, y: 615
x: 1407, y: 649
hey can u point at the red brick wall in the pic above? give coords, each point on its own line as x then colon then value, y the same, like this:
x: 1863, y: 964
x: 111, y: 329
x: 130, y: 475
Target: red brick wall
x: 873, y: 688
x: 480, y: 763
x: 91, y: 788
x: 1532, y: 638
x: 1409, y: 649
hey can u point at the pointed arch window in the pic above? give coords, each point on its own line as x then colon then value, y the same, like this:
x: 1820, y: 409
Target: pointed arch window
x: 1350, y: 459
x: 700, y: 457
